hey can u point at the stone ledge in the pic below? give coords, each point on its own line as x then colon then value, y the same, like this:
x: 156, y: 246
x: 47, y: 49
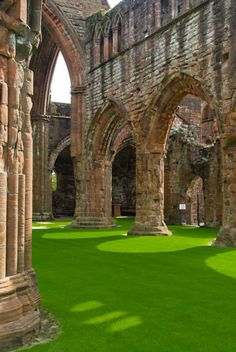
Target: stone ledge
x: 147, y: 230
x: 18, y: 333
x: 19, y: 314
x: 89, y: 223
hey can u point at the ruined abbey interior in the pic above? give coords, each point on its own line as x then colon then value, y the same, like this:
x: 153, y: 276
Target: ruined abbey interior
x: 150, y: 131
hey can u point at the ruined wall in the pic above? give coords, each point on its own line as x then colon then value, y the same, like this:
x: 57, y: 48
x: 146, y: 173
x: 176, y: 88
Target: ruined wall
x: 149, y: 53
x: 59, y: 126
x: 19, y: 298
x: 185, y: 163
x: 63, y: 30
x: 77, y: 11
x: 147, y: 58
x: 192, y: 155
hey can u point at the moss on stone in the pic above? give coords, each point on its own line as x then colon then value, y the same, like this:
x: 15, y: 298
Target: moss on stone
x: 230, y: 142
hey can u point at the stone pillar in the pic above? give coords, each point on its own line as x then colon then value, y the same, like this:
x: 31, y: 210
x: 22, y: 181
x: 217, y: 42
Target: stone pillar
x: 172, y: 8
x: 19, y: 298
x: 150, y: 195
x: 93, y: 178
x: 42, y: 188
x: 186, y: 5
x: 106, y: 47
x: 227, y: 235
x: 97, y: 56
x: 3, y: 219
x: 12, y: 161
x: 95, y: 206
x: 213, y: 197
x: 116, y: 44
x: 78, y: 125
x: 158, y: 13
x: 21, y: 225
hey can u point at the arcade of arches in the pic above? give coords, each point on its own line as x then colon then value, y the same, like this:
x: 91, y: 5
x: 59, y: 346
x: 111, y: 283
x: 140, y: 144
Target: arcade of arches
x: 151, y: 127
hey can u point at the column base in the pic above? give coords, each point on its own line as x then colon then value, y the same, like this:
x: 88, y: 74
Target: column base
x: 43, y: 217
x: 226, y: 237
x: 19, y: 313
x: 147, y: 230
x: 91, y: 222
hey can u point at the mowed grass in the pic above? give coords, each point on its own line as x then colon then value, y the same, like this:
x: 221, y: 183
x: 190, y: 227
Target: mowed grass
x: 112, y: 293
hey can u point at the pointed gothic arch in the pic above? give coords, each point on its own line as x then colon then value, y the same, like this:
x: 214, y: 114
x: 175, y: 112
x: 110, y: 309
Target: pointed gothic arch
x: 165, y: 101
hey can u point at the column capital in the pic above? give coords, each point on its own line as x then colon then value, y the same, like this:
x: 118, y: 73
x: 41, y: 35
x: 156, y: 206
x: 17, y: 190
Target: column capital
x: 40, y: 118
x: 79, y: 90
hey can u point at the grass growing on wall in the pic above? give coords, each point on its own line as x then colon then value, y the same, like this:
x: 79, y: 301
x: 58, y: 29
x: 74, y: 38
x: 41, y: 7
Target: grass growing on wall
x: 111, y: 293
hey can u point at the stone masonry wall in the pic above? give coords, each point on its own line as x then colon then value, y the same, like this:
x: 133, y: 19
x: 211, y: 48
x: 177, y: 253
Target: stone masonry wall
x: 146, y: 57
x: 19, y: 298
x: 192, y: 42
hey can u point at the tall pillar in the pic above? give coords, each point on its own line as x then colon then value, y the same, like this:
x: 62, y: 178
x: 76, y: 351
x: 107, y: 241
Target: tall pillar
x: 94, y: 209
x: 186, y: 5
x: 97, y: 53
x: 19, y: 298
x: 213, y: 197
x: 150, y: 195
x: 172, y: 8
x: 106, y: 47
x: 12, y: 161
x: 227, y: 234
x: 93, y: 177
x: 42, y: 187
x: 158, y: 13
x: 116, y: 40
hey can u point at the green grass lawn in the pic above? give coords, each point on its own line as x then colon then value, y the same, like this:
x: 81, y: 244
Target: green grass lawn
x: 113, y: 293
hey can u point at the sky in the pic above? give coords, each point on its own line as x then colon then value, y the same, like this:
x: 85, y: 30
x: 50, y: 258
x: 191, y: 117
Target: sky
x: 60, y: 87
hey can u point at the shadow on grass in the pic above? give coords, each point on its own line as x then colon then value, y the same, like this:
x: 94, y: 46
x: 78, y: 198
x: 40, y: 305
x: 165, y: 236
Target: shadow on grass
x: 195, y: 232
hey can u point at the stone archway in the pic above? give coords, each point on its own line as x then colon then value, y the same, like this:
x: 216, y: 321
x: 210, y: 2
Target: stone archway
x: 108, y: 128
x: 55, y: 153
x: 63, y: 193
x: 62, y: 199
x: 55, y: 26
x: 150, y: 157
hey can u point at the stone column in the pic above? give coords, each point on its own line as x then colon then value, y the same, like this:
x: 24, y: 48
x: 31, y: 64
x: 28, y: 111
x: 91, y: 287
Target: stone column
x: 19, y: 298
x: 93, y: 177
x: 158, y: 13
x: 97, y: 56
x: 106, y: 47
x: 213, y: 197
x: 94, y: 209
x: 150, y: 195
x: 116, y: 43
x: 42, y: 188
x: 3, y: 172
x: 78, y: 121
x: 172, y: 8
x: 12, y: 161
x: 227, y: 235
x: 3, y: 218
x: 186, y: 5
